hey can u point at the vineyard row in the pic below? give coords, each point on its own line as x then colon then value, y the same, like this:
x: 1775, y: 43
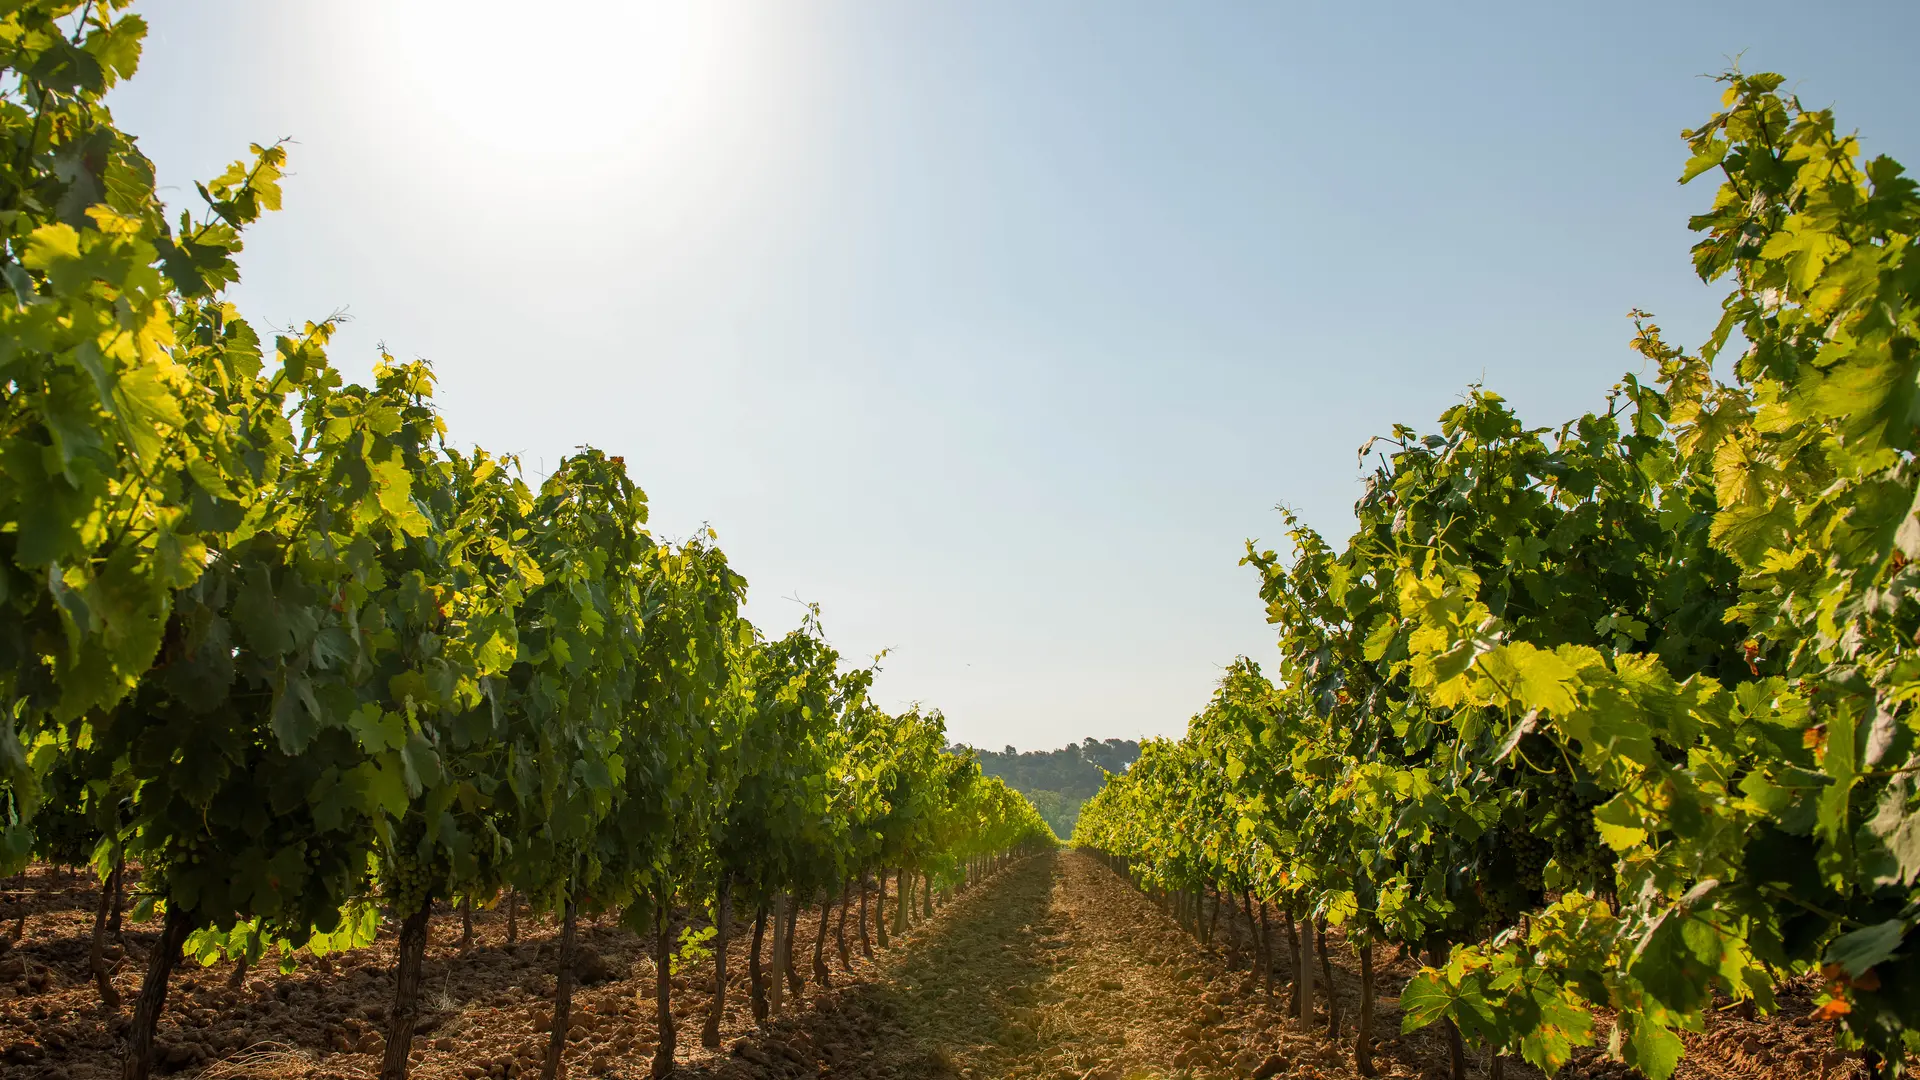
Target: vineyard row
x: 1614, y: 718
x: 272, y: 639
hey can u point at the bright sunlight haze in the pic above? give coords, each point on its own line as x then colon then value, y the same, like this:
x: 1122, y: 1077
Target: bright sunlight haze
x: 993, y: 328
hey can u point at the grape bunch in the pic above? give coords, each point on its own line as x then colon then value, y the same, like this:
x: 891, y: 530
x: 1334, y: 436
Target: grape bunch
x: 1508, y: 874
x: 407, y: 882
x: 1530, y: 854
x: 1574, y: 842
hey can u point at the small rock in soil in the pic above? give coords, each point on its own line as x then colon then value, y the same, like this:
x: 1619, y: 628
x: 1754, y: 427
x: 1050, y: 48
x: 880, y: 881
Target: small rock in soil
x: 592, y: 969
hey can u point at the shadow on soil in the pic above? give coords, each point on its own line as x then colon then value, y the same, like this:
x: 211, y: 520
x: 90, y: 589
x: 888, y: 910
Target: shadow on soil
x: 966, y: 987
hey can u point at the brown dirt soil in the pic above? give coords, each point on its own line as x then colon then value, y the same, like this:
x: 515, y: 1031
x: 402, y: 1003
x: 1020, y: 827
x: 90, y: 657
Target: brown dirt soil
x: 1787, y: 1045
x: 483, y: 1014
x: 1055, y: 968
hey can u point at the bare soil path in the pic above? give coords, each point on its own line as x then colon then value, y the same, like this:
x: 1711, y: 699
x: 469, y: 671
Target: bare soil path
x: 1057, y: 969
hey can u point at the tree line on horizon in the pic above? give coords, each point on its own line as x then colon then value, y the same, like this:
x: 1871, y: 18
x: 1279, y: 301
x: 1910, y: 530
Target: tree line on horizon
x: 1058, y: 782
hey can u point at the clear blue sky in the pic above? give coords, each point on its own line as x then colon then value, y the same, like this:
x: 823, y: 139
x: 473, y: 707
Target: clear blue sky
x: 995, y: 328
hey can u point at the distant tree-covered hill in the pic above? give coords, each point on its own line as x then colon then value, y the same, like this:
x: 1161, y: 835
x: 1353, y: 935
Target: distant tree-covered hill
x: 1058, y: 781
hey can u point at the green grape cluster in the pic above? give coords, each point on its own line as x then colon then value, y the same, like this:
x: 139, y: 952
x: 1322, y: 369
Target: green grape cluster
x: 408, y: 883
x: 1530, y: 854
x: 1574, y: 841
x: 187, y: 853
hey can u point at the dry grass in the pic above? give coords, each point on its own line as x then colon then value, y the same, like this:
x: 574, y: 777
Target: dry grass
x: 266, y: 1061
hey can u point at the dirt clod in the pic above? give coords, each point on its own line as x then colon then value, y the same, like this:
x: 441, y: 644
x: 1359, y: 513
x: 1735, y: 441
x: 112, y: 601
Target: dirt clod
x: 592, y: 969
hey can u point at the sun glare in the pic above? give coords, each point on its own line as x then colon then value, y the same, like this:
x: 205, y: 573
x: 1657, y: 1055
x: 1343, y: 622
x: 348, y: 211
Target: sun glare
x: 598, y: 84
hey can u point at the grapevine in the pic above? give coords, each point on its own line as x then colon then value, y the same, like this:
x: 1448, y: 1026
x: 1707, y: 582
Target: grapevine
x: 270, y: 635
x: 1614, y: 716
